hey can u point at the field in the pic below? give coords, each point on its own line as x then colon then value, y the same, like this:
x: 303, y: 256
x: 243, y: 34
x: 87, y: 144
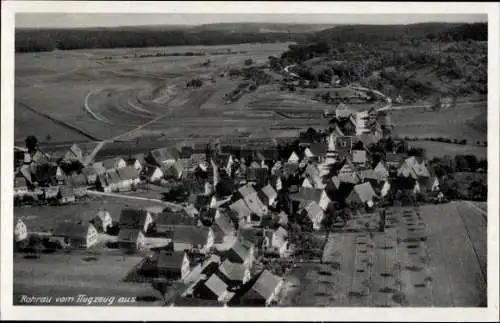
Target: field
x: 103, y: 94
x: 434, y: 255
x: 459, y: 123
x: 440, y: 149
x: 79, y: 273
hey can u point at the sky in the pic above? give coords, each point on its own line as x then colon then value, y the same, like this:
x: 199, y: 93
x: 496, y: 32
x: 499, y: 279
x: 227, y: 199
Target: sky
x: 79, y: 20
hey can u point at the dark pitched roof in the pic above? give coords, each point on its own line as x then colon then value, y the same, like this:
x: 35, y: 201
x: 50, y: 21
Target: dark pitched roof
x: 128, y: 234
x: 224, y: 223
x: 395, y: 158
x: 190, y: 234
x: 306, y: 194
x: 318, y: 149
x: 364, y: 191
x: 241, y: 248
x: 232, y: 271
x: 168, y: 217
x: 111, y: 162
x: 216, y: 285
x: 265, y: 284
x: 78, y: 180
x: 170, y: 260
x: 70, y: 229
x: 20, y: 182
x: 240, y: 208
x: 128, y: 172
x: 149, y: 170
x: 132, y: 218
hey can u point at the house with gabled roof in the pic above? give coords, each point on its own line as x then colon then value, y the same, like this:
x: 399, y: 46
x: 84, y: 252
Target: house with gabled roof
x: 102, y: 221
x: 240, y: 208
x: 20, y: 230
x: 362, y: 194
x: 394, y: 160
x: 135, y: 219
x: 90, y: 175
x: 233, y: 274
x: 152, y: 173
x: 241, y: 252
x: 348, y: 168
x: 276, y: 241
x: 381, y: 170
x: 49, y: 175
x: 172, y: 264
x: 74, y: 154
x: 261, y: 290
x: 128, y: 178
x: 359, y: 157
x: 306, y: 183
x: 426, y: 185
x: 269, y: 195
x: 161, y: 156
x: 251, y: 198
x: 294, y: 158
x: 191, y: 237
x: 316, y: 152
x: 168, y: 220
x: 137, y: 161
x: 314, y: 212
x: 99, y: 168
x: 406, y: 171
x: 130, y: 238
x: 75, y: 235
x: 223, y: 227
x: 66, y: 194
x: 214, y: 288
x: 112, y: 164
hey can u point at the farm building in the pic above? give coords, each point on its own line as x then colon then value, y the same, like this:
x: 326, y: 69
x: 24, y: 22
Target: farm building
x: 75, y: 235
x: 131, y: 239
x: 426, y: 185
x: 261, y: 291
x: 233, y: 274
x: 102, y: 221
x: 275, y: 241
x: 314, y: 212
x: 135, y: 219
x: 79, y: 184
x: 137, y: 161
x: 191, y: 237
x: 168, y: 220
x: 113, y: 164
x: 241, y: 252
x: 20, y: 186
x: 153, y: 173
x: 173, y: 264
x: 90, y: 175
x: 46, y: 175
x: 407, y: 171
x: 66, y: 194
x: 361, y: 194
x: 128, y: 178
x: 348, y: 168
x: 173, y: 170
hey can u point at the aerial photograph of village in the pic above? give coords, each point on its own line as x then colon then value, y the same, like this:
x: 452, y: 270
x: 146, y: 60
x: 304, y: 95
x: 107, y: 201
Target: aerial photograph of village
x: 263, y: 161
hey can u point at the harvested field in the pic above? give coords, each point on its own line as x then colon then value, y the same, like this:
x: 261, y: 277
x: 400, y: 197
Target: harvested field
x: 423, y: 260
x: 440, y: 149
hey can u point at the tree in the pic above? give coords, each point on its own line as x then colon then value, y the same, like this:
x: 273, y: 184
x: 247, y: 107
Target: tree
x: 31, y: 143
x: 248, y: 62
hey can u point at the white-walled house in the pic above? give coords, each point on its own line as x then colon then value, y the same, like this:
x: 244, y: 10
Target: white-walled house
x: 20, y: 231
x: 294, y: 158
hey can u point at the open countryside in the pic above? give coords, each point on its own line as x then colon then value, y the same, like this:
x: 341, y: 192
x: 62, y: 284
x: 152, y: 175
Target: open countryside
x: 314, y: 167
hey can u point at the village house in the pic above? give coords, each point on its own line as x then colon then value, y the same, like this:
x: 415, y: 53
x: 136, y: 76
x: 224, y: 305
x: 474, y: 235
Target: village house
x: 173, y: 265
x: 137, y: 161
x: 113, y: 164
x: 79, y: 184
x: 223, y: 228
x: 282, y: 218
x: 268, y: 195
x: 312, y: 173
x: 406, y: 171
x: 102, y: 221
x: 74, y: 154
x: 347, y: 169
x: 162, y: 156
x: 233, y: 274
x: 362, y: 194
x: 304, y: 195
x: 316, y: 152
x: 51, y: 192
x: 128, y: 178
x: 90, y: 175
x: 314, y: 212
x: 426, y: 185
x: 242, y: 211
x: 191, y: 237
x: 275, y: 241
x: 394, y: 160
x: 242, y: 252
x: 253, y: 202
x: 66, y: 194
x: 131, y: 239
x: 75, y: 235
x: 359, y: 158
x: 99, y: 168
x: 306, y: 183
x: 49, y: 175
x: 168, y: 220
x: 212, y: 289
x: 20, y: 186
x: 381, y: 170
x: 135, y: 219
x: 261, y: 291
x: 294, y: 158
x: 152, y: 173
